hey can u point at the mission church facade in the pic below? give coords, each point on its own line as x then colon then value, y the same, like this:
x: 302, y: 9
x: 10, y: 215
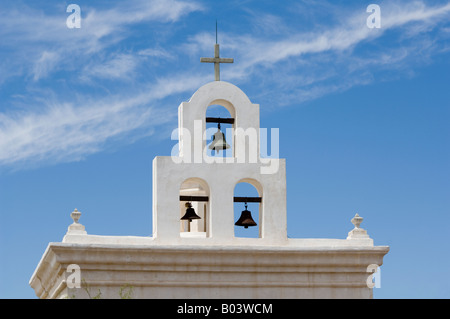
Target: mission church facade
x: 193, y: 251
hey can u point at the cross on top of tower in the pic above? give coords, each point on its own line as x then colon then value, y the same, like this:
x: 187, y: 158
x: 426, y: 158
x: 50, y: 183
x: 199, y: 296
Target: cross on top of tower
x: 216, y: 60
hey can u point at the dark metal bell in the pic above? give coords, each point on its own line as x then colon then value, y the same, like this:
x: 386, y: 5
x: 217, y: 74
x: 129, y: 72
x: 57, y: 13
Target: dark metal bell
x: 218, y: 141
x: 246, y: 219
x: 190, y: 213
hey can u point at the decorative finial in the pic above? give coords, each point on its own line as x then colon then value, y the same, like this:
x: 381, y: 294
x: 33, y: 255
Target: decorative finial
x: 358, y: 232
x: 76, y: 228
x: 357, y: 220
x: 75, y: 215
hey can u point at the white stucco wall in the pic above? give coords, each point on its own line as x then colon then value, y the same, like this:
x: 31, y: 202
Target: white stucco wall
x: 173, y: 263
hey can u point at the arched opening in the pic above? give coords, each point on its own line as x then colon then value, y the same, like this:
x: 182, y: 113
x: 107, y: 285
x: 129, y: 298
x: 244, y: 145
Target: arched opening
x: 194, y: 194
x: 220, y: 119
x: 249, y: 193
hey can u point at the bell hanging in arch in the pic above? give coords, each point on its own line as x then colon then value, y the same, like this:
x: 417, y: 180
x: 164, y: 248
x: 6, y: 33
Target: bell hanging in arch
x: 218, y: 141
x: 246, y: 219
x: 190, y: 213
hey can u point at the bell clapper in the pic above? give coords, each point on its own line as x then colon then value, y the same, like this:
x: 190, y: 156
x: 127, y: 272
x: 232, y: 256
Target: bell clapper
x: 245, y: 209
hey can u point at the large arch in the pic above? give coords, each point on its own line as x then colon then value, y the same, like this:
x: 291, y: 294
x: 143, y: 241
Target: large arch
x: 192, y: 117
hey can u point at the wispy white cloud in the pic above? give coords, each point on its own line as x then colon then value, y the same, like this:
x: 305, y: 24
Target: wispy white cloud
x: 401, y: 13
x: 336, y: 38
x: 42, y: 41
x: 289, y: 65
x: 120, y: 66
x: 156, y: 52
x: 62, y: 131
x: 57, y: 128
x: 301, y: 56
x: 46, y: 63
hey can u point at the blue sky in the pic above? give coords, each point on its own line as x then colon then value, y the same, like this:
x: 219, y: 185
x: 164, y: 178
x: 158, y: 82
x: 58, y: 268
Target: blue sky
x: 362, y: 113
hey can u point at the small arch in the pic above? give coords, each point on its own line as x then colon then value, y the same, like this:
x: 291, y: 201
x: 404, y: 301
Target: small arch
x: 256, y: 184
x: 195, y: 186
x: 248, y: 187
x: 226, y: 104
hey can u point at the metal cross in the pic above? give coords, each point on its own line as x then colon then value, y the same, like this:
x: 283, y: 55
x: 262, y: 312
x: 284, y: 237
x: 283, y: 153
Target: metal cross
x: 217, y: 60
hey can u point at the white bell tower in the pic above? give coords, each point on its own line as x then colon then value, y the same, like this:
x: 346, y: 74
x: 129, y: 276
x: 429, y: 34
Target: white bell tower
x: 193, y: 251
x: 209, y: 182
